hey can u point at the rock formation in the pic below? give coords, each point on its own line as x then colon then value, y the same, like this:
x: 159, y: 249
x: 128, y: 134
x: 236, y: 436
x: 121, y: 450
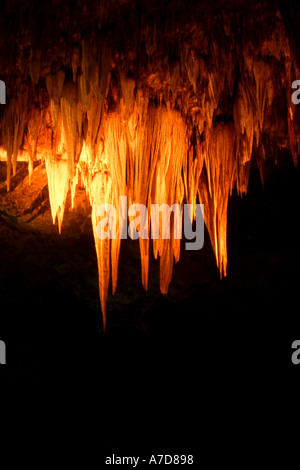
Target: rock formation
x: 162, y: 101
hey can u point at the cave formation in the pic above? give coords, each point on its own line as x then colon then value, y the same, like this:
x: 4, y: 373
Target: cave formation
x: 160, y: 101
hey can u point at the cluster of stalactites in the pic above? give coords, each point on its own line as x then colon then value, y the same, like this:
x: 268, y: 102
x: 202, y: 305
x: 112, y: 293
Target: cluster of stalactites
x: 127, y: 140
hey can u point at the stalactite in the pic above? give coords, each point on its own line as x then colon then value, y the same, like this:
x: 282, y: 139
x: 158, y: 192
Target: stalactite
x: 214, y: 189
x: 168, y: 186
x: 142, y: 159
x: 58, y: 184
x: 15, y: 120
x: 246, y: 124
x: 34, y: 124
x: 54, y: 84
x: 69, y: 111
x: 262, y: 73
x: 115, y: 154
x: 100, y: 193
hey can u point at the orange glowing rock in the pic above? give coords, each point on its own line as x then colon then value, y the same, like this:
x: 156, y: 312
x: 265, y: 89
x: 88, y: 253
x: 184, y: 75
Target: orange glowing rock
x: 58, y: 184
x: 177, y: 123
x: 215, y: 187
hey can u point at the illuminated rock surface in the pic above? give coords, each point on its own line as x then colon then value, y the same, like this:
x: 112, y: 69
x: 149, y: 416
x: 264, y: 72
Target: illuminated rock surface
x: 162, y: 102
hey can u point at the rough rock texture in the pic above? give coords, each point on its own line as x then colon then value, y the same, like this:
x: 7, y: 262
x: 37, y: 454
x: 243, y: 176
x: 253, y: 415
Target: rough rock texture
x: 162, y: 101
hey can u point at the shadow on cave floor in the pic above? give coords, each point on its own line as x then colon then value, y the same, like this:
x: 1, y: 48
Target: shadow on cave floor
x: 149, y: 362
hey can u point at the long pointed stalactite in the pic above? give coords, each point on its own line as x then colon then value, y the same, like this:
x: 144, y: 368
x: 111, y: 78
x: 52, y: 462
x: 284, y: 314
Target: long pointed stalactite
x: 136, y: 100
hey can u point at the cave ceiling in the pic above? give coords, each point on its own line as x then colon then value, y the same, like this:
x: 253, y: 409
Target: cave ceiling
x: 162, y: 101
